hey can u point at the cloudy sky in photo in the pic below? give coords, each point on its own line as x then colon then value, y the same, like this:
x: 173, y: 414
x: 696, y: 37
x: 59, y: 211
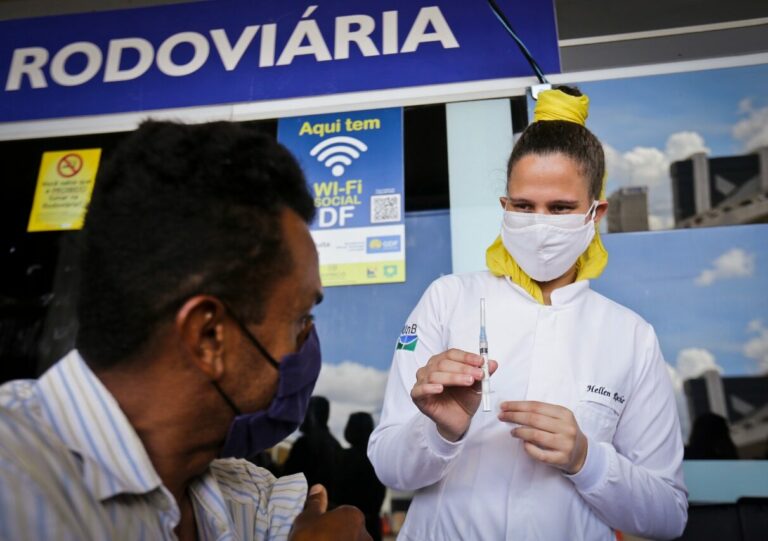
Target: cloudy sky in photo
x: 704, y: 290
x: 646, y: 123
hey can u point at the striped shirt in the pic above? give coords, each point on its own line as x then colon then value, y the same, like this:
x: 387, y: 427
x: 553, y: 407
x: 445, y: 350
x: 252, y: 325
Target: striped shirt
x: 73, y: 468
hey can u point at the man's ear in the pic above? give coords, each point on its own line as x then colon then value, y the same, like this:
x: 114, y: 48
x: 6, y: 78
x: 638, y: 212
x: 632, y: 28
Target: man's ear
x: 200, y: 324
x: 602, y: 208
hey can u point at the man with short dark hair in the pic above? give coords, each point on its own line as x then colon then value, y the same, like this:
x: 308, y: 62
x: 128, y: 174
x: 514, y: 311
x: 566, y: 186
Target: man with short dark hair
x: 199, y: 278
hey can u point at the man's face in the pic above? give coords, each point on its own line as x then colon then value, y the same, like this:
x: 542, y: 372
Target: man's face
x: 548, y: 184
x: 288, y: 314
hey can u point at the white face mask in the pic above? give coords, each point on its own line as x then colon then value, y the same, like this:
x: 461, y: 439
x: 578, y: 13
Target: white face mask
x: 547, y: 245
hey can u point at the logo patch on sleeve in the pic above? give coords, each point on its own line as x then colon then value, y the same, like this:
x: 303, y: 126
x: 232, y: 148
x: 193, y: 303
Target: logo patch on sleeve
x: 408, y: 338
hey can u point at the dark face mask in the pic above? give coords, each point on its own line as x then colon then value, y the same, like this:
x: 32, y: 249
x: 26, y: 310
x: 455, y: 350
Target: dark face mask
x: 251, y: 433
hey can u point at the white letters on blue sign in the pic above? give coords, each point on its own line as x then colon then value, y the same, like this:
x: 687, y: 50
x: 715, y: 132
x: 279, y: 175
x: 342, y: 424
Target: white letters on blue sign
x: 231, y: 54
x: 27, y: 61
x: 330, y: 216
x: 93, y: 63
x: 112, y: 71
x: 419, y: 34
x: 199, y: 46
x: 351, y: 33
x: 311, y: 32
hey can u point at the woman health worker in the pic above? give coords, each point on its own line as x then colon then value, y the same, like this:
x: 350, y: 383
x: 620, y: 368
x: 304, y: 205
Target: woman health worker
x: 583, y: 439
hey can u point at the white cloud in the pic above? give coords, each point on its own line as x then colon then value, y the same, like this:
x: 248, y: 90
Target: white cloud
x: 693, y: 362
x: 649, y: 166
x: 752, y: 130
x: 757, y: 347
x: 350, y: 387
x: 684, y: 144
x: 735, y: 263
x: 659, y: 223
x: 745, y: 105
x: 614, y: 162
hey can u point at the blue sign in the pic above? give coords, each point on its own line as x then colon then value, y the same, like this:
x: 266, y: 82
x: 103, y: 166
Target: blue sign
x: 354, y: 165
x: 231, y: 51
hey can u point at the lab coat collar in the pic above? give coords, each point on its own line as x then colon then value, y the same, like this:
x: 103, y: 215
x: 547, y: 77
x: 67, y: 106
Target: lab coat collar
x: 570, y: 294
x: 561, y: 297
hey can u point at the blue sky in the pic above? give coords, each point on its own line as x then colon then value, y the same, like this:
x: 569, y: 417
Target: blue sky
x: 655, y: 274
x: 644, y: 111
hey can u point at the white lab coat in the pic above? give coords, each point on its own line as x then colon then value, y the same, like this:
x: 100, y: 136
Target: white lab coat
x: 584, y: 352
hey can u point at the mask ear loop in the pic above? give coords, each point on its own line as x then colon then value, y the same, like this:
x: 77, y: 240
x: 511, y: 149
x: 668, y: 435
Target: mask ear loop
x: 226, y: 399
x: 592, y: 212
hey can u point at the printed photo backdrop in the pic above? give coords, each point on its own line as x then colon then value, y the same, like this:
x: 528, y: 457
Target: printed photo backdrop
x: 705, y: 291
x: 703, y: 287
x: 648, y: 123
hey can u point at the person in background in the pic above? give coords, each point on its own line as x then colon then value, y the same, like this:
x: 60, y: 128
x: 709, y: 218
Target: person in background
x: 199, y: 280
x: 583, y: 438
x: 358, y: 484
x: 316, y: 452
x: 710, y: 439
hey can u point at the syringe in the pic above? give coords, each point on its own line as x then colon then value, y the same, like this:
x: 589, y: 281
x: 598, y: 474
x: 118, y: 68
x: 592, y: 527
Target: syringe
x: 486, y: 385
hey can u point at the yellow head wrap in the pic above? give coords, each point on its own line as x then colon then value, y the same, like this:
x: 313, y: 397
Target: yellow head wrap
x: 557, y: 105
x: 552, y: 105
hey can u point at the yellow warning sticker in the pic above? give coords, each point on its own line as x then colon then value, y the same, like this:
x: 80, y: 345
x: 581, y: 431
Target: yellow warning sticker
x: 64, y: 186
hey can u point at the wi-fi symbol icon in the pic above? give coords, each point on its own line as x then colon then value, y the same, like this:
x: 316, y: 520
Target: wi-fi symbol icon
x: 338, y: 152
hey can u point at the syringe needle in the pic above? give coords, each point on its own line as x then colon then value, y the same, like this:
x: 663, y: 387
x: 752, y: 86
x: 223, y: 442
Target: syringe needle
x: 486, y: 383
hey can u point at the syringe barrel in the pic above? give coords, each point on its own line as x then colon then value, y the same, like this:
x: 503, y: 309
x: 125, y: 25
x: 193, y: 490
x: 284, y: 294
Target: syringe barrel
x: 486, y: 382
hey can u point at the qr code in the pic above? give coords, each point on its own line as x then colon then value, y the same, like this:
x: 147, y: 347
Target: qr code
x: 385, y: 208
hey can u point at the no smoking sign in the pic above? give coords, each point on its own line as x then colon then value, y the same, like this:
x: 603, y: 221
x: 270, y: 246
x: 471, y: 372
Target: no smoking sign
x: 69, y: 165
x: 65, y: 181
